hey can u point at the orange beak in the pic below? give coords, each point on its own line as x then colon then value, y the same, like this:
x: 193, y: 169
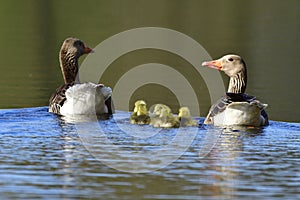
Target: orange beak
x: 88, y: 50
x: 214, y: 64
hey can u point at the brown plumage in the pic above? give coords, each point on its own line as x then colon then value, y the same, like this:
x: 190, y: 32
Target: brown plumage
x: 69, y: 54
x: 58, y: 98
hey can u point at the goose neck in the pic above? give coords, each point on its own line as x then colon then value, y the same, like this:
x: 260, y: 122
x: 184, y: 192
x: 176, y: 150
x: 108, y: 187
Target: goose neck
x: 238, y: 83
x: 69, y: 66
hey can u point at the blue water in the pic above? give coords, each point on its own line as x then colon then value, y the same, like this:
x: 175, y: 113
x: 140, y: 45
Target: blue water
x: 44, y: 156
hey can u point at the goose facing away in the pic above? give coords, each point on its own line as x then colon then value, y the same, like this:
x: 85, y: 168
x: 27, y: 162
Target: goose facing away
x: 185, y: 118
x: 140, y: 114
x: 236, y: 107
x: 162, y: 117
x: 74, y: 98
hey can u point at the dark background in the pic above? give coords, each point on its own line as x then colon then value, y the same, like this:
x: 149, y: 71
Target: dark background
x: 265, y: 33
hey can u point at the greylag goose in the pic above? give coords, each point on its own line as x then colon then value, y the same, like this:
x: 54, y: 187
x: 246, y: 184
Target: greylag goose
x: 74, y: 98
x: 162, y: 117
x: 140, y: 114
x: 185, y: 117
x: 236, y: 108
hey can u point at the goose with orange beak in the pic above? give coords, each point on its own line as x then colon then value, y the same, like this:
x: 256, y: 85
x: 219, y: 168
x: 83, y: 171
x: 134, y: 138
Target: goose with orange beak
x: 74, y: 98
x: 236, y: 107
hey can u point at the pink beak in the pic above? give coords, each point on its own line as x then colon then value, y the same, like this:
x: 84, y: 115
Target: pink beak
x: 214, y: 64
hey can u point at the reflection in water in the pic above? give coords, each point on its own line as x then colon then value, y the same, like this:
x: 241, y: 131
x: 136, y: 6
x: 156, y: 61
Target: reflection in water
x: 134, y: 148
x: 43, y: 156
x: 74, y: 119
x: 247, y: 29
x: 224, y: 160
x: 217, y: 155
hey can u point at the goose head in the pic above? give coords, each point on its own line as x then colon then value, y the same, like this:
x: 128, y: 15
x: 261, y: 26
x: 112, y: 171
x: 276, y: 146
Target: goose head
x: 229, y: 64
x: 185, y: 118
x: 161, y: 111
x: 234, y: 67
x: 184, y: 112
x: 162, y: 116
x: 74, y: 47
x: 71, y: 50
x: 140, y: 114
x: 140, y: 107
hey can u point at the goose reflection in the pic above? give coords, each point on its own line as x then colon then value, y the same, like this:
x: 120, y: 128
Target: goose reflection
x: 222, y: 162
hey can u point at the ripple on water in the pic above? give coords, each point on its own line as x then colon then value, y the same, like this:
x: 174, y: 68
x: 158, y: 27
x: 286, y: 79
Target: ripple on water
x: 42, y: 156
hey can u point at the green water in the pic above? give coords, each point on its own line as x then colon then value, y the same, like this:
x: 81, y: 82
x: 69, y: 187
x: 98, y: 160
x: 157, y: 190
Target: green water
x: 266, y: 33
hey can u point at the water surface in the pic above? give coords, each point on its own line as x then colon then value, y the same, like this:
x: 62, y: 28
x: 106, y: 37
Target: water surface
x: 43, y: 156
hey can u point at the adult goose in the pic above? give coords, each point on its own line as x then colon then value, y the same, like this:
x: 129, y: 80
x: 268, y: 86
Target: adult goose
x: 73, y: 98
x: 236, y: 107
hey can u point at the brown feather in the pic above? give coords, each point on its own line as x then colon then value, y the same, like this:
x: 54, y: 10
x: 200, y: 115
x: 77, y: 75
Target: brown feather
x: 58, y: 98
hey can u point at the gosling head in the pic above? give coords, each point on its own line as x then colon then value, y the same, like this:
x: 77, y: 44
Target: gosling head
x: 140, y: 107
x: 161, y: 110
x: 184, y: 112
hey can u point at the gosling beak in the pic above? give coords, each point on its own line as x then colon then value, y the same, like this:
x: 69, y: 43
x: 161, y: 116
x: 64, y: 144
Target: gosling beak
x: 214, y: 64
x: 180, y: 113
x: 88, y: 50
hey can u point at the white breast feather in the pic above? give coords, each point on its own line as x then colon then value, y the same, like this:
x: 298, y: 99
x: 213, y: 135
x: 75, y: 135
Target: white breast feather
x: 239, y: 113
x: 86, y: 99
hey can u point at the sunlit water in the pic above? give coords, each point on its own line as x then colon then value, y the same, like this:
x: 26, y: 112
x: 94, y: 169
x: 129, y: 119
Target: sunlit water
x: 43, y: 156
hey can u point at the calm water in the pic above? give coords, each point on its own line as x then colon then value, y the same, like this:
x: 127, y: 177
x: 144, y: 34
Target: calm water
x: 265, y: 33
x: 43, y: 156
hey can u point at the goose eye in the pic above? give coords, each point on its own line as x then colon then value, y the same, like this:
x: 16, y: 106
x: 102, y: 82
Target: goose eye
x: 79, y: 44
x: 230, y: 59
